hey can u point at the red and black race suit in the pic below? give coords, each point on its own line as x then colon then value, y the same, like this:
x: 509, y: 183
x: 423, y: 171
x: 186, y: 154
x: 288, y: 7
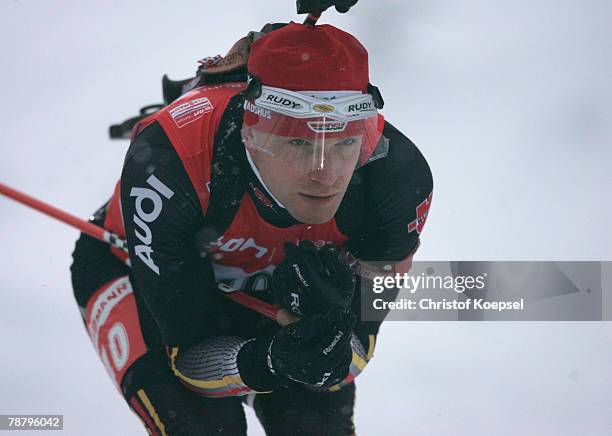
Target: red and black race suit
x: 187, y: 164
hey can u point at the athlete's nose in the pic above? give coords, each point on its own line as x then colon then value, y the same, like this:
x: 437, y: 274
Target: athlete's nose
x: 325, y: 175
x: 324, y: 169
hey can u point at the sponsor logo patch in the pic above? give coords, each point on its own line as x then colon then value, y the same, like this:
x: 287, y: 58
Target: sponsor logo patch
x: 422, y: 211
x: 331, y: 346
x: 264, y: 113
x: 361, y: 107
x: 239, y: 245
x: 143, y: 218
x: 295, y: 303
x: 323, y: 108
x: 261, y: 196
x: 188, y: 112
x: 104, y: 304
x: 277, y: 100
x: 326, y: 126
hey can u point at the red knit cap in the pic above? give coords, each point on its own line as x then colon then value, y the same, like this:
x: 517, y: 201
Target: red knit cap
x: 301, y: 58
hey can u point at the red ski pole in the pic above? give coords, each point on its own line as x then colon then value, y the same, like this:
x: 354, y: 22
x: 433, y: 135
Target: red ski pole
x: 104, y: 235
x: 84, y: 226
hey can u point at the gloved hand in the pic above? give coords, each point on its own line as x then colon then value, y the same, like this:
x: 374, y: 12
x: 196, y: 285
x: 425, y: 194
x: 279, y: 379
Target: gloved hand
x: 310, y: 281
x: 315, y: 351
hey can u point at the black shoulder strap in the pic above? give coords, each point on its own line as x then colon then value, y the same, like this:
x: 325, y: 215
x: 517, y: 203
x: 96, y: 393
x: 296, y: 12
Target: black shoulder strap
x: 227, y: 184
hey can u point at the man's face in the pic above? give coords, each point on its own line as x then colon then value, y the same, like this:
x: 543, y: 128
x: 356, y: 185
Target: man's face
x: 308, y: 178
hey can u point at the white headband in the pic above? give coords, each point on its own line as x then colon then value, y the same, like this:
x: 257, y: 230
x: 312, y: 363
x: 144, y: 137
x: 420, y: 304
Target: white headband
x: 338, y: 105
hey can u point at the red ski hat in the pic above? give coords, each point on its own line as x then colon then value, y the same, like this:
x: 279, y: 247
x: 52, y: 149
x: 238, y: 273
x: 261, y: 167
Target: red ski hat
x: 301, y: 58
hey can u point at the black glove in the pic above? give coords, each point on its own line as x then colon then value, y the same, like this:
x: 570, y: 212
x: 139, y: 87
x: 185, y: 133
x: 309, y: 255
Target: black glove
x: 309, y: 282
x: 315, y: 351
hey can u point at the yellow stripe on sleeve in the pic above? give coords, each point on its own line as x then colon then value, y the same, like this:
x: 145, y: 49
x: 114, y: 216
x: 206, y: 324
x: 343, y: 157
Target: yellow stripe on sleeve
x: 149, y: 406
x: 358, y: 361
x: 371, y: 346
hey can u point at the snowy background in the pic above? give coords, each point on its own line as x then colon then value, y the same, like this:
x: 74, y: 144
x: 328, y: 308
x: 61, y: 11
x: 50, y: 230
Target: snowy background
x: 509, y: 101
